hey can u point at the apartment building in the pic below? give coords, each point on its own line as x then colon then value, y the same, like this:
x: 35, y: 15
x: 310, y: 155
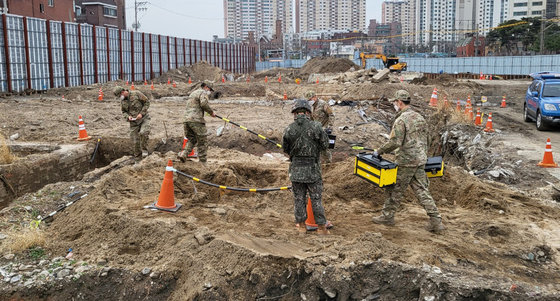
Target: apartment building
x: 312, y: 15
x: 258, y: 16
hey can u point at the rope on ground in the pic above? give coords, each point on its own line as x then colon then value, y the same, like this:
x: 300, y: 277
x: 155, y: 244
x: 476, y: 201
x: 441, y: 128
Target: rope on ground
x: 248, y: 130
x: 230, y: 188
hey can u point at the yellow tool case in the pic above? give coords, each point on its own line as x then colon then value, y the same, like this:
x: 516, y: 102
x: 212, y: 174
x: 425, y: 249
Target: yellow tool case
x: 434, y: 167
x: 379, y: 172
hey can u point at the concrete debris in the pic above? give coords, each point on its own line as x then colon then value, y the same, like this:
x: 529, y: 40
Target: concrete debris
x: 381, y: 75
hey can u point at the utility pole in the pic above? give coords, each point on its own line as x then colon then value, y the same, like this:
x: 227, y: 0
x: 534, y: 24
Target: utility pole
x: 138, y: 6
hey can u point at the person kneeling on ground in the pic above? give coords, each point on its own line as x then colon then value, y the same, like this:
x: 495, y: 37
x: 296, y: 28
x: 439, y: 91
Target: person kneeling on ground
x: 409, y: 136
x: 303, y: 141
x: 194, y: 124
x: 134, y: 107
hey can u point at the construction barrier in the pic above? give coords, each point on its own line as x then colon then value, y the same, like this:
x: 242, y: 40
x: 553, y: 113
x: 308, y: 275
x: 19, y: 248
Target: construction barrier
x: 68, y: 54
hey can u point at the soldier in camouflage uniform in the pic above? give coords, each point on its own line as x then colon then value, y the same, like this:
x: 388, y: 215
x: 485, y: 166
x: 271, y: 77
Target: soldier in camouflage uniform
x: 303, y: 141
x: 409, y: 136
x: 322, y: 113
x: 194, y: 124
x: 134, y: 107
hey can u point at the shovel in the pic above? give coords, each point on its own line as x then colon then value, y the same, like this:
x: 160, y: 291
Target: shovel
x: 220, y: 129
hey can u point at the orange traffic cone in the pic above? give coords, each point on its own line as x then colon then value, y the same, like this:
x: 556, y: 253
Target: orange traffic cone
x: 132, y: 86
x: 100, y: 96
x: 458, y: 108
x: 488, y: 127
x: 248, y: 78
x: 310, y: 223
x: 471, y: 114
x: 490, y: 77
x: 317, y: 82
x: 63, y: 97
x: 145, y: 82
x: 223, y: 79
x: 127, y: 82
x: 166, y: 200
x: 445, y: 102
x: 285, y: 96
x: 477, y: 120
x: 433, y: 99
x: 82, y: 130
x: 503, y: 105
x: 266, y: 79
x: 152, y: 86
x: 279, y: 78
x: 547, y: 160
x: 190, y: 82
x: 168, y: 80
x: 481, y: 75
x: 401, y: 79
x: 193, y: 154
x: 174, y: 84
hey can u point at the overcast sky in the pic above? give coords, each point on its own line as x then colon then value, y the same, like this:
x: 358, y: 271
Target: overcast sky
x: 197, y: 19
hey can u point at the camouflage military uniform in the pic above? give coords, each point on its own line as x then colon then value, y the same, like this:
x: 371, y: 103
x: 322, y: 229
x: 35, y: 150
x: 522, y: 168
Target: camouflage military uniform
x: 409, y: 136
x: 323, y: 114
x: 194, y: 124
x: 303, y: 141
x: 137, y: 103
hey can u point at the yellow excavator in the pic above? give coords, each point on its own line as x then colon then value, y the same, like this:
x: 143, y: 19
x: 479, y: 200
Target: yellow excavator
x: 392, y: 63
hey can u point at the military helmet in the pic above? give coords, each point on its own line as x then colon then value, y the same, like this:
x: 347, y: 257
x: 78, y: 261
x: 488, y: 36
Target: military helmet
x: 402, y: 95
x: 206, y: 84
x: 310, y: 94
x: 301, y: 104
x: 118, y: 90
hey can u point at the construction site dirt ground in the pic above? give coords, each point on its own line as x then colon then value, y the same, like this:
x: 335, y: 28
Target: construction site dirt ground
x: 503, y: 227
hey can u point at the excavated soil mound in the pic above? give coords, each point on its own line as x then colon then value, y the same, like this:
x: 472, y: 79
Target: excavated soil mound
x: 327, y: 65
x: 198, y: 72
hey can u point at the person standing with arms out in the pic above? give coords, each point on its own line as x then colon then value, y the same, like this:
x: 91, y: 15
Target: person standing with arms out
x: 409, y: 136
x: 194, y: 124
x: 134, y: 107
x: 303, y: 141
x: 323, y: 113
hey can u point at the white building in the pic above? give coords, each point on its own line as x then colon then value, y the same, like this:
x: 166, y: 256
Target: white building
x: 314, y: 15
x: 259, y: 16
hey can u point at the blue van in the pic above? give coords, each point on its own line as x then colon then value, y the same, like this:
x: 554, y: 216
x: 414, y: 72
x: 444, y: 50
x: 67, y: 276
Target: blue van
x: 542, y: 101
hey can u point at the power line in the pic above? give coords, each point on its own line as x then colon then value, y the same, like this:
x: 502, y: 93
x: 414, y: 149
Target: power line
x: 183, y: 15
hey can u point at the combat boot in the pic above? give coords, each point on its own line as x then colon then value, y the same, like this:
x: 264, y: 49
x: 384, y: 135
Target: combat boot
x: 435, y: 225
x: 384, y: 220
x: 181, y: 156
x: 301, y: 227
x: 322, y: 230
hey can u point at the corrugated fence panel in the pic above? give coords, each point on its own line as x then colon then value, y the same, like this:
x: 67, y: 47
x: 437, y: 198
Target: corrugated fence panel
x: 126, y: 55
x: 101, y: 44
x: 114, y: 54
x: 155, y: 56
x: 16, y: 44
x: 138, y: 56
x: 147, y: 56
x: 57, y: 54
x: 3, y: 72
x: 72, y: 54
x: 172, y: 57
x: 88, y: 70
x: 164, y: 53
x: 38, y: 53
x: 180, y: 53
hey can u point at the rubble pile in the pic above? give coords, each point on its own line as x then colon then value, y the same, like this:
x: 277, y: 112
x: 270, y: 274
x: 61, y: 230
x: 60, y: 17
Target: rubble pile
x: 327, y: 65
